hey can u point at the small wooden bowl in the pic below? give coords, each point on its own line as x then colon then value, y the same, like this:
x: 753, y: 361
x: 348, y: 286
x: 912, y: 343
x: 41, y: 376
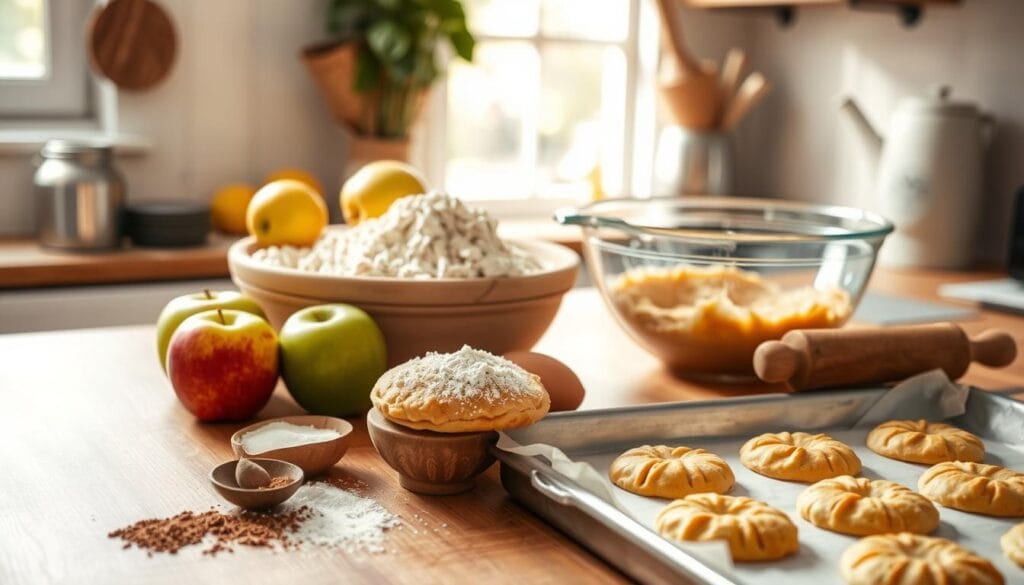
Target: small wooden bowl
x: 314, y: 458
x: 431, y: 463
x: 223, y: 479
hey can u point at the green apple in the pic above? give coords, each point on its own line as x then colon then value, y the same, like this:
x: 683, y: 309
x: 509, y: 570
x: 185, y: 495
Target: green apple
x: 223, y: 364
x: 185, y: 306
x: 331, y: 356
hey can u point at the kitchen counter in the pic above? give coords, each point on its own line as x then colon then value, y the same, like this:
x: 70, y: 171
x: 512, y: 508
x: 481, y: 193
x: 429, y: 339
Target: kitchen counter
x: 95, y: 440
x: 24, y: 264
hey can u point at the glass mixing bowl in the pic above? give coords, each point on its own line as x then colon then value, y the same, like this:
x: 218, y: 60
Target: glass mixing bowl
x: 701, y: 281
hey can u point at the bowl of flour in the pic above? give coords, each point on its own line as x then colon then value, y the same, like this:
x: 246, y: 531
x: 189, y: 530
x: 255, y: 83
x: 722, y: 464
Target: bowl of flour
x: 432, y: 272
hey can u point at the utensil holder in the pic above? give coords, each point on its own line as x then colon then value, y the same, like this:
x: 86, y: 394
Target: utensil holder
x: 692, y: 162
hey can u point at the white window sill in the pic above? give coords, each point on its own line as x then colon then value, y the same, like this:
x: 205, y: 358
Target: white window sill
x: 19, y: 142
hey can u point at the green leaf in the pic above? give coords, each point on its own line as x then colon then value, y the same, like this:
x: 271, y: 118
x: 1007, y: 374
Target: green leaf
x: 388, y: 41
x: 367, y: 72
x: 463, y: 43
x: 390, y: 5
x: 444, y: 8
x: 347, y: 18
x: 402, y: 70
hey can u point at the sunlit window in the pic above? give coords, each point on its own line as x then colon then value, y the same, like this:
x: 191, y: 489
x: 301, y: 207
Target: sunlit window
x: 43, y: 69
x: 22, y: 39
x: 552, y: 106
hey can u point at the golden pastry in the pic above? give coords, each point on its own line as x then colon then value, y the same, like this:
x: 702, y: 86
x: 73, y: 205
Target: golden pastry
x: 670, y: 472
x: 861, y: 506
x: 921, y: 441
x: 799, y: 456
x: 711, y: 319
x: 753, y: 530
x: 911, y: 559
x: 1013, y: 544
x: 975, y: 487
x: 469, y: 390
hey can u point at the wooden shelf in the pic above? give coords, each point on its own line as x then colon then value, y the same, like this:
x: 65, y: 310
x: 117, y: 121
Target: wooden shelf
x: 773, y: 3
x: 909, y: 12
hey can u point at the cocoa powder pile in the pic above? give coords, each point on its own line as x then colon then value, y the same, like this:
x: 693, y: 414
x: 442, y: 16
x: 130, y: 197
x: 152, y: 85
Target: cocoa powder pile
x: 279, y: 481
x: 188, y: 528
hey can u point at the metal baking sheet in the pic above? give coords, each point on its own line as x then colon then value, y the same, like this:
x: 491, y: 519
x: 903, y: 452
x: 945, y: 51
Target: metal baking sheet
x: 629, y: 542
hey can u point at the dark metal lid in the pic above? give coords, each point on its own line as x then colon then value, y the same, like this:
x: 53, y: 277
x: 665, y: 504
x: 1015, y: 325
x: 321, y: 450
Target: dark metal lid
x: 71, y: 148
x: 169, y: 209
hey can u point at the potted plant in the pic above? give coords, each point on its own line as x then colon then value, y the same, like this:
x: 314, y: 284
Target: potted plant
x: 379, y: 64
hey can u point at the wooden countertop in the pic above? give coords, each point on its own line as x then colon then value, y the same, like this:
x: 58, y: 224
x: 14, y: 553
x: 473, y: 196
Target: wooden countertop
x: 95, y: 440
x: 24, y: 264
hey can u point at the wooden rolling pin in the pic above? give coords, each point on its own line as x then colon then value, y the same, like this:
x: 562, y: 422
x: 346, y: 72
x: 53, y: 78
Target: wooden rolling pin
x: 824, y: 358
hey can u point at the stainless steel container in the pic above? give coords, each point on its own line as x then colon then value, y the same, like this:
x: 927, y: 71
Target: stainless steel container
x: 689, y: 162
x: 79, y: 195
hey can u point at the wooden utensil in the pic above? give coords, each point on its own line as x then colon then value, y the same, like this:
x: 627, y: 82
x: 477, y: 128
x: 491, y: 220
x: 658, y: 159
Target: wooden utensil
x: 689, y: 87
x: 672, y: 38
x: 732, y: 72
x: 693, y: 101
x: 132, y: 43
x: 753, y: 89
x: 824, y: 358
x: 223, y: 480
x: 313, y: 458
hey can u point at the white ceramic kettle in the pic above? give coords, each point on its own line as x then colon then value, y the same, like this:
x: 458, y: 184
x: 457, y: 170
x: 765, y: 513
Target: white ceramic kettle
x: 929, y: 181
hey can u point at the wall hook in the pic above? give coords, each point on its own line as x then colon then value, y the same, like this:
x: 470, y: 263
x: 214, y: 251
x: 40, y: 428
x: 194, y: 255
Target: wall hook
x: 908, y: 13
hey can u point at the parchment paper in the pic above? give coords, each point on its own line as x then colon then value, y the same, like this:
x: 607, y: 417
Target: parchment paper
x: 930, y: 396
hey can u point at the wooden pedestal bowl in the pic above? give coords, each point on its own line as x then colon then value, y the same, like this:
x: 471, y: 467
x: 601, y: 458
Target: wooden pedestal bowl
x: 431, y: 463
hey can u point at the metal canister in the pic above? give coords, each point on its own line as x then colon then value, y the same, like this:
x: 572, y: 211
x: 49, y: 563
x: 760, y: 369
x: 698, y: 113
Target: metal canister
x: 80, y: 196
x: 690, y: 162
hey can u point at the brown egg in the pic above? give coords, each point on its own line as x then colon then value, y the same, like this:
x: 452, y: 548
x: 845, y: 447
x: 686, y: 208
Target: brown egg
x: 562, y: 384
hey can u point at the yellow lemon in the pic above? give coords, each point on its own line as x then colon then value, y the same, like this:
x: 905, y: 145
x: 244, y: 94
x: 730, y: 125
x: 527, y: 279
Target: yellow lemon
x: 374, y: 187
x: 296, y: 174
x: 286, y: 212
x: 227, y: 208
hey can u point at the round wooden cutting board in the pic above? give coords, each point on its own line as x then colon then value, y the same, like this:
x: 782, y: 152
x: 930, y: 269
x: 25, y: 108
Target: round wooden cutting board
x: 132, y: 43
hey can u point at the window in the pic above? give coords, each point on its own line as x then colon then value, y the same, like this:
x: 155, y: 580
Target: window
x: 555, y: 108
x: 43, y: 72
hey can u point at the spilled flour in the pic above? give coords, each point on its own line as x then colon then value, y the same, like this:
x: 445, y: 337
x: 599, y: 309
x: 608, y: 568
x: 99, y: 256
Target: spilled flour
x: 318, y: 515
x: 339, y: 518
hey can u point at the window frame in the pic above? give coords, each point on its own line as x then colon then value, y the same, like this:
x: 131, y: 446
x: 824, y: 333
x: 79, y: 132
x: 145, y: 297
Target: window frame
x: 431, y: 146
x: 66, y: 92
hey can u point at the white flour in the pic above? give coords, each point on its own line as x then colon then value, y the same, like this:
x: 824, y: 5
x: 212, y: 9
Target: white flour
x: 465, y: 375
x: 340, y: 519
x: 422, y: 236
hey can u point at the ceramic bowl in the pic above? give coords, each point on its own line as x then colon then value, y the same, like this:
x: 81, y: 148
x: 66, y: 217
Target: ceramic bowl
x: 431, y: 463
x: 223, y: 480
x: 314, y: 458
x: 421, y: 315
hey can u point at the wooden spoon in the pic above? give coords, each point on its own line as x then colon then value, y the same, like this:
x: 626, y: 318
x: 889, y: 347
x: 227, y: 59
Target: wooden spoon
x: 672, y: 35
x: 732, y: 72
x: 689, y: 87
x: 693, y: 101
x: 754, y: 88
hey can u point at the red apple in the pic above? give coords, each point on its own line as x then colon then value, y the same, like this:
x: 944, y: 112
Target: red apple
x: 223, y: 364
